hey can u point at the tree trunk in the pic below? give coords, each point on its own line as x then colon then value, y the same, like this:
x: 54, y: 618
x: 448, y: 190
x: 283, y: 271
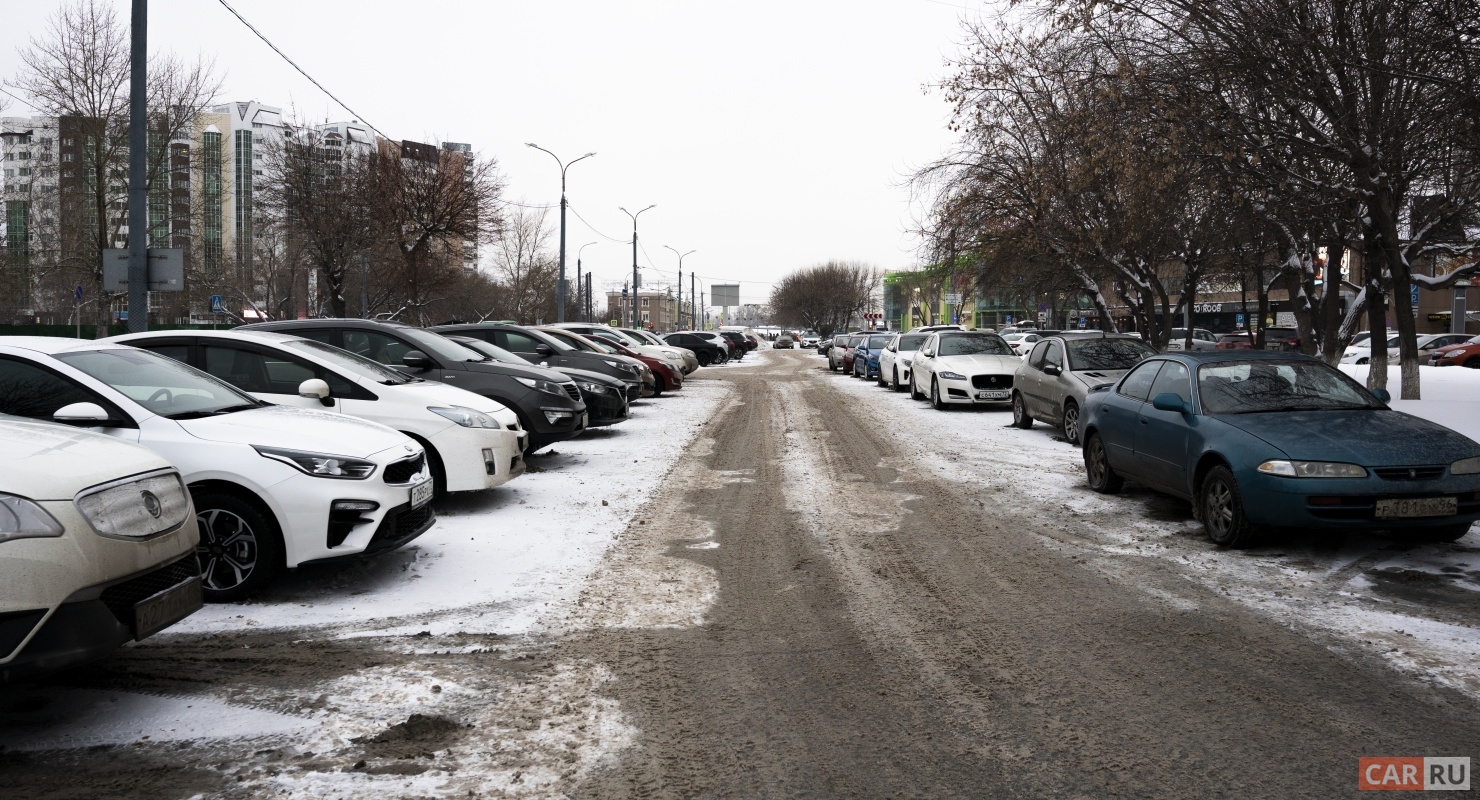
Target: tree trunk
x: 1385, y: 218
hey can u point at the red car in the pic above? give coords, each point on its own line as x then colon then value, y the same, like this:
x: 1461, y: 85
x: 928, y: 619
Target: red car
x: 1464, y: 354
x: 853, y: 343
x: 1234, y: 341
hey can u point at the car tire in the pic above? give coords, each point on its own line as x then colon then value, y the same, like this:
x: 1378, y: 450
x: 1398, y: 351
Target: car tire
x: 915, y: 394
x: 935, y: 401
x: 1102, y: 477
x: 1222, y: 505
x: 1020, y: 416
x: 1440, y: 533
x: 1071, y: 422
x: 1473, y: 363
x: 703, y: 358
x: 1364, y: 360
x: 659, y: 385
x: 241, y: 548
x: 879, y: 379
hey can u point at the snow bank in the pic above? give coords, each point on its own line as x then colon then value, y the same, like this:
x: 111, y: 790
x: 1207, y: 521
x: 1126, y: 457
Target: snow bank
x: 1451, y: 396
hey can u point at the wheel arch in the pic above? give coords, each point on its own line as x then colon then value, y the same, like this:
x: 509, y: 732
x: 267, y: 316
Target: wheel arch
x: 439, y: 467
x: 247, y: 495
x: 1205, y: 464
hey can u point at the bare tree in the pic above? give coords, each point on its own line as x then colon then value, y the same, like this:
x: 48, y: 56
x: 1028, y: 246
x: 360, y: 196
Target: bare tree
x: 826, y: 296
x: 525, y: 267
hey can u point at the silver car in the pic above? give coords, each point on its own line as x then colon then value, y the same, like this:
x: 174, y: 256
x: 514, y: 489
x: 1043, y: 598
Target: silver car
x: 1052, y: 381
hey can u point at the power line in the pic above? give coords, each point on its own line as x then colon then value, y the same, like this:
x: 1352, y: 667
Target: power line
x: 301, y: 71
x: 592, y: 227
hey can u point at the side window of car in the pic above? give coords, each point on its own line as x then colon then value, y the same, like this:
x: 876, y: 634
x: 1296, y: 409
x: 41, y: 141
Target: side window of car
x: 376, y: 346
x: 1035, y: 359
x: 27, y: 390
x: 253, y: 371
x: 1137, y: 384
x: 516, y: 342
x: 1054, y: 356
x: 1173, y: 379
x: 179, y: 352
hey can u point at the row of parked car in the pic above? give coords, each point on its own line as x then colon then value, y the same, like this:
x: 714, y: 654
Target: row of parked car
x: 1253, y: 439
x: 145, y: 474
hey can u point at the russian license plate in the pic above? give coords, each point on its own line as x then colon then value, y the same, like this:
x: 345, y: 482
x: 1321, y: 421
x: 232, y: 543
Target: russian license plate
x: 159, y: 611
x: 991, y: 395
x: 1417, y: 507
x: 420, y: 494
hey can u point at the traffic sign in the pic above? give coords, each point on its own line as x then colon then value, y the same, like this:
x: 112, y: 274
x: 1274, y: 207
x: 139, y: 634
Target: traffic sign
x: 77, y: 293
x: 216, y: 305
x: 953, y: 298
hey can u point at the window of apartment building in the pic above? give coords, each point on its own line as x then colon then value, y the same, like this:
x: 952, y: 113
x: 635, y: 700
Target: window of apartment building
x: 10, y: 173
x: 68, y: 156
x: 46, y: 156
x: 68, y: 141
x: 25, y: 171
x: 644, y: 305
x: 644, y: 314
x: 9, y: 156
x: 24, y: 155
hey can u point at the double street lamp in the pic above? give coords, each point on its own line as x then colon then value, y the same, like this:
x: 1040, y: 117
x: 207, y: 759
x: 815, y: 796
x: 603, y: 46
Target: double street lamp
x: 635, y: 318
x: 560, y: 284
x: 680, y: 282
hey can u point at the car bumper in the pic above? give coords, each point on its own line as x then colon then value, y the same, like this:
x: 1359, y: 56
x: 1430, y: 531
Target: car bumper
x: 478, y: 458
x: 1351, y: 503
x: 605, y: 409
x: 963, y: 393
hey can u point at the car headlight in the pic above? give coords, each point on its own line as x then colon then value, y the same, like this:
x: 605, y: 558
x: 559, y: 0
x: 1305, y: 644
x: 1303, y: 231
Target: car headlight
x: 953, y: 376
x: 1465, y: 466
x: 321, y: 465
x: 593, y: 388
x: 466, y: 417
x: 906, y: 361
x: 1312, y: 469
x: 671, y: 355
x: 136, y: 508
x: 541, y: 385
x: 23, y: 519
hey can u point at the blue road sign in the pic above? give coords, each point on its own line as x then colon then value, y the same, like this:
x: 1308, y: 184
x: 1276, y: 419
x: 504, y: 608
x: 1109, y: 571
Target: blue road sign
x: 1083, y: 322
x: 216, y: 306
x: 77, y: 293
x: 1238, y: 320
x: 1413, y: 293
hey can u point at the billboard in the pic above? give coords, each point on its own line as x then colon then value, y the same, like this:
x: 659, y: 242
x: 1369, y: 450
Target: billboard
x: 724, y: 294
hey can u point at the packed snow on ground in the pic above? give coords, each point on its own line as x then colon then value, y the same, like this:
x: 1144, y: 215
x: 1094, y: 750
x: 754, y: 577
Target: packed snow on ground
x: 1416, y: 604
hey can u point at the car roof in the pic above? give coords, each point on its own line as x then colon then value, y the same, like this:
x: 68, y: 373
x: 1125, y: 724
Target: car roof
x: 51, y: 345
x: 338, y: 322
x: 1205, y: 356
x: 229, y: 333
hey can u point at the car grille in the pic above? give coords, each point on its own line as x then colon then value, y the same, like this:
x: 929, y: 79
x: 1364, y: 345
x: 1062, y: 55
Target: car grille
x: 120, y: 598
x: 403, y: 471
x: 573, y: 391
x: 1409, y: 473
x: 991, y: 381
x: 401, y: 525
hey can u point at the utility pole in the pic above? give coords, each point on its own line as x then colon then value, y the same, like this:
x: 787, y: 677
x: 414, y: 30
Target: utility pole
x: 138, y: 170
x: 560, y: 285
x: 680, y: 279
x: 580, y: 287
x: 364, y: 288
x: 636, y: 281
x: 693, y: 306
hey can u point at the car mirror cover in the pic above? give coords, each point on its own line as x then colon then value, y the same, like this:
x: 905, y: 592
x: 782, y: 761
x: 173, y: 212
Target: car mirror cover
x: 1167, y: 401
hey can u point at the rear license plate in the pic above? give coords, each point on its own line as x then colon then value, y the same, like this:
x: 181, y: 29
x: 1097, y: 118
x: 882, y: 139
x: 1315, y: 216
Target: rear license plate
x: 420, y: 494
x: 1417, y: 507
x: 991, y: 395
x: 159, y: 611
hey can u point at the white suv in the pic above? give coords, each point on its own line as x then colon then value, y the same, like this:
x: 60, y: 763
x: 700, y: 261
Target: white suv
x: 273, y: 487
x: 472, y: 442
x: 97, y: 547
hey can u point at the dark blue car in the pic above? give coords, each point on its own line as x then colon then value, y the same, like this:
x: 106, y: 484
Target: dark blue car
x: 866, y: 358
x: 1263, y: 439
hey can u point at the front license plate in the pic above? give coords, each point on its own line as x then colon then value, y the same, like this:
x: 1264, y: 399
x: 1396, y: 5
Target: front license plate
x: 159, y: 611
x: 420, y: 494
x: 991, y: 395
x: 1417, y: 507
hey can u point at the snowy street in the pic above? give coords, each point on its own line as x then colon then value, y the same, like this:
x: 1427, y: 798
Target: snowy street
x: 786, y: 581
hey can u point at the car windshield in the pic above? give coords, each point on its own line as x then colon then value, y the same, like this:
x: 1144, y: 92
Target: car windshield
x: 1091, y: 354
x: 910, y: 342
x: 439, y: 345
x: 350, y: 362
x: 163, y: 385
x: 1248, y: 387
x: 493, y: 351
x: 878, y: 342
x: 973, y: 344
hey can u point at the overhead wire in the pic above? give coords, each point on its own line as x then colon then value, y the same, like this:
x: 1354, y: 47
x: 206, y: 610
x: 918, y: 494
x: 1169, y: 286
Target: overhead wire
x: 573, y: 210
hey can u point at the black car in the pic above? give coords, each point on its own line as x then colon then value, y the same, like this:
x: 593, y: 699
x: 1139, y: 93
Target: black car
x: 548, y: 403
x: 538, y: 347
x: 739, y: 345
x: 605, y: 396
x: 705, y: 350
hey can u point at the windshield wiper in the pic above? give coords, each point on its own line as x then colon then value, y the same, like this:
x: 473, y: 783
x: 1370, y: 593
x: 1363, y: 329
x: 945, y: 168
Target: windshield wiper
x: 198, y: 413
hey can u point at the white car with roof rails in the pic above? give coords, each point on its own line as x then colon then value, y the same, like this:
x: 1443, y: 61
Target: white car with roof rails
x: 97, y: 547
x: 273, y: 486
x: 472, y: 442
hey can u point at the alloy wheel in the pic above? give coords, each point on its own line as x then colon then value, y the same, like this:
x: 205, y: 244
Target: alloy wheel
x: 228, y: 549
x: 1071, y: 423
x: 1218, y: 511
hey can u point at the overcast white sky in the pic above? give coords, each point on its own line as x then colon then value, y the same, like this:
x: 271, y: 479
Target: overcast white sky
x: 771, y: 135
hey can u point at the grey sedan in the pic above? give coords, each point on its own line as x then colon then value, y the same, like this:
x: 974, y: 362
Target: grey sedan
x: 1052, y: 381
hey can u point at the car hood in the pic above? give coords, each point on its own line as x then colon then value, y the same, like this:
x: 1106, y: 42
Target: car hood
x: 440, y: 394
x: 979, y: 364
x: 297, y: 429
x: 514, y: 370
x: 1096, y: 377
x: 1388, y: 438
x: 43, y: 461
x: 593, y: 377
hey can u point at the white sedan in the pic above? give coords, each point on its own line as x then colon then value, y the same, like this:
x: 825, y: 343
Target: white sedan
x: 97, y: 547
x: 273, y: 487
x: 894, y: 362
x: 472, y: 442
x: 963, y: 368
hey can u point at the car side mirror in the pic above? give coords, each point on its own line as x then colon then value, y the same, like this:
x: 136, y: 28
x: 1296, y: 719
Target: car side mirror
x: 82, y: 414
x: 1167, y: 401
x: 416, y: 359
x: 1052, y: 369
x: 315, y: 389
x: 1381, y: 395
x: 543, y: 350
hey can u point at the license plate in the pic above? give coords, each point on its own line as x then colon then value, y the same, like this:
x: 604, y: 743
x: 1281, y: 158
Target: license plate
x: 159, y: 611
x: 585, y: 420
x: 1417, y: 507
x: 420, y: 494
x: 991, y: 395
x: 1174, y: 345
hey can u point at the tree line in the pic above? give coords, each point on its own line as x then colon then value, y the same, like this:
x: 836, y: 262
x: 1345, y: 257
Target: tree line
x: 1136, y: 152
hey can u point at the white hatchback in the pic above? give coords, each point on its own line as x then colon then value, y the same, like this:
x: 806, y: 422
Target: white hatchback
x: 273, y: 487
x: 472, y: 442
x: 97, y: 547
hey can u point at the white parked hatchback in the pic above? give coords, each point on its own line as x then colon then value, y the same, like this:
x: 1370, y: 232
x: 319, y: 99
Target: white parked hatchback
x: 97, y: 547
x: 273, y: 487
x: 472, y: 442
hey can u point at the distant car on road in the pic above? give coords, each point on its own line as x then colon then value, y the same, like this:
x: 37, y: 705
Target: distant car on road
x: 1052, y: 382
x: 783, y: 342
x: 1202, y: 339
x: 1257, y: 439
x: 1234, y: 341
x: 704, y: 349
x: 963, y: 368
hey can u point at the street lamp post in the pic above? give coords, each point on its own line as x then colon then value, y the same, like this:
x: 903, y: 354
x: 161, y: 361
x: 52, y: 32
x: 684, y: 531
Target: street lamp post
x: 680, y: 284
x: 560, y: 283
x: 634, y: 258
x: 581, y: 307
